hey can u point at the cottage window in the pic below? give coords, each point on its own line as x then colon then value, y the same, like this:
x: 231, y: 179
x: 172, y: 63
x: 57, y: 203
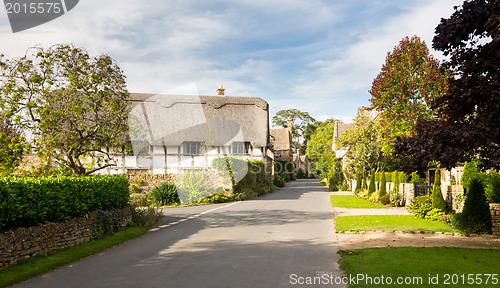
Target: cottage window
x: 241, y: 147
x: 192, y: 148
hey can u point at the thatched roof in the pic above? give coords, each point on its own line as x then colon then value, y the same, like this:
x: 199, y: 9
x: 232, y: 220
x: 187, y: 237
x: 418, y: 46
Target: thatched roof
x: 215, y: 120
x: 280, y: 139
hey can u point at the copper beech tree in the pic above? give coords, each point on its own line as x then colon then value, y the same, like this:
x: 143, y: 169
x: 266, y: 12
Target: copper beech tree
x: 410, y: 79
x: 467, y: 118
x: 73, y: 104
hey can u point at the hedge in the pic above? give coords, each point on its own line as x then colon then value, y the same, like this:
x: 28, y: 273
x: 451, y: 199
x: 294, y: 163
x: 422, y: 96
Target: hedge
x: 27, y: 201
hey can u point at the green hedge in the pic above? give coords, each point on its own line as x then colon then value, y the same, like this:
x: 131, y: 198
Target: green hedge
x: 27, y: 202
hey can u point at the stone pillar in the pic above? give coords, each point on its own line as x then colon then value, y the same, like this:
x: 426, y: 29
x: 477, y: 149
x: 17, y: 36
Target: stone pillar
x: 495, y: 218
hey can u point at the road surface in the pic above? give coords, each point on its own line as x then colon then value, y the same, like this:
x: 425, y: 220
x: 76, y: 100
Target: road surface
x: 280, y: 240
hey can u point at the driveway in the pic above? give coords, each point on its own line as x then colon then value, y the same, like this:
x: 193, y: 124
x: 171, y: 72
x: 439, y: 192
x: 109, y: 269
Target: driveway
x: 279, y: 240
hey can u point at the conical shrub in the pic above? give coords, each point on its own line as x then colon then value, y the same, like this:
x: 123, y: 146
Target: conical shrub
x: 371, y: 187
x: 437, y: 196
x: 476, y: 217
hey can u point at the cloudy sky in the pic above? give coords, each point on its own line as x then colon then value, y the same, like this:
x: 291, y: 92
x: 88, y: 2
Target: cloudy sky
x: 317, y: 56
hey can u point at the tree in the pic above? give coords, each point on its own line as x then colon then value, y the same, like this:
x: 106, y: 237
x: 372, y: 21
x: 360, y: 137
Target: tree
x: 12, y: 147
x: 383, y: 186
x: 364, y: 145
x: 358, y: 182
x: 468, y: 115
x: 300, y: 120
x: 437, y: 195
x: 409, y: 80
x: 74, y: 104
x: 476, y: 217
x: 371, y: 186
x: 319, y: 146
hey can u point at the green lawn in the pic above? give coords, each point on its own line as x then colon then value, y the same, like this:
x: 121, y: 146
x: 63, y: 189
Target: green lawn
x: 389, y: 223
x: 43, y: 264
x: 422, y: 267
x: 352, y: 201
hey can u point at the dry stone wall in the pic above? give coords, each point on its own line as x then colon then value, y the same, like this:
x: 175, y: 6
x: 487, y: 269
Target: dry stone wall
x: 25, y: 242
x: 149, y: 181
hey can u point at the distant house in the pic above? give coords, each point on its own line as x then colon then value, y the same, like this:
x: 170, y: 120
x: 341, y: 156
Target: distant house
x: 340, y: 153
x: 175, y: 133
x: 302, y: 161
x: 281, y: 140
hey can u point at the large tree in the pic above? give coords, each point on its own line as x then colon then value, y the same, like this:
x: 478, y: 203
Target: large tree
x: 300, y: 120
x: 365, y: 145
x: 74, y: 104
x: 468, y: 116
x: 319, y: 146
x: 12, y: 147
x: 409, y: 80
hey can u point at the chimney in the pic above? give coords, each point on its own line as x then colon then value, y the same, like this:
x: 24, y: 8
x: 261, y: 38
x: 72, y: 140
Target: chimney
x: 220, y: 91
x: 375, y: 113
x: 289, y: 126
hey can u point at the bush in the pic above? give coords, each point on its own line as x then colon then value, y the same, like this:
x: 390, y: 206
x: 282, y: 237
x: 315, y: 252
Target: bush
x: 217, y: 198
x: 476, y: 217
x: 434, y: 214
x: 437, y: 196
x: 245, y: 194
x: 144, y: 217
x: 164, y: 194
x: 396, y: 199
x: 383, y: 186
x: 194, y: 186
x: 364, y: 185
x: 416, y: 178
x: 292, y: 177
x: 371, y: 187
x: 492, y: 188
x: 420, y: 206
x: 374, y: 197
x: 265, y: 188
x: 301, y: 174
x: 358, y: 182
x: 139, y: 200
x: 385, y: 199
x: 278, y: 181
x: 470, y: 171
x: 30, y: 201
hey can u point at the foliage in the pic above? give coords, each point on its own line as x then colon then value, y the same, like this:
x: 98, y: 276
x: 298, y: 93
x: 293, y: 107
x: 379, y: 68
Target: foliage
x: 374, y: 197
x: 364, y: 145
x: 12, y: 146
x: 358, y: 182
x: 409, y: 79
x: 470, y: 172
x: 193, y: 186
x: 492, y: 188
x: 74, y: 104
x: 395, y: 176
x: 265, y: 188
x: 164, y: 194
x: 437, y: 195
x: 301, y: 173
x: 278, y: 181
x: 385, y: 199
x: 139, y: 200
x: 145, y: 217
x: 371, y: 187
x: 453, y: 180
x: 476, y: 217
x: 31, y: 201
x: 467, y: 122
x: 217, y: 198
x: 364, y: 185
x: 383, y: 186
x: 416, y: 178
x: 319, y: 146
x: 300, y: 120
x: 420, y: 206
x: 434, y: 214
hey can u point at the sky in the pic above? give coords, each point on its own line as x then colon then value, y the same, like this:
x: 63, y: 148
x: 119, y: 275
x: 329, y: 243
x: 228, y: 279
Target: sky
x: 317, y: 56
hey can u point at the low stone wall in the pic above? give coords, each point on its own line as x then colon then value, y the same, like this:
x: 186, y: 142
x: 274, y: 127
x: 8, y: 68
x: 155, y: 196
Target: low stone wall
x: 25, y: 242
x: 149, y: 180
x: 495, y: 218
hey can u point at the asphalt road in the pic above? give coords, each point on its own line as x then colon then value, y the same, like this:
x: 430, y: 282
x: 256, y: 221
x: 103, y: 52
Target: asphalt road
x: 278, y: 240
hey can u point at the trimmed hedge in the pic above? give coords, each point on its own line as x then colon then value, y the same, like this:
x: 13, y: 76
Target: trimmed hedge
x: 27, y: 202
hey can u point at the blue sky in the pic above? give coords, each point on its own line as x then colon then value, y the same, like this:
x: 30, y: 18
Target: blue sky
x: 312, y: 55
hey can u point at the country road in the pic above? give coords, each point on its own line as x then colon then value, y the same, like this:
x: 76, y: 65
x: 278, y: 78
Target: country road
x: 269, y: 241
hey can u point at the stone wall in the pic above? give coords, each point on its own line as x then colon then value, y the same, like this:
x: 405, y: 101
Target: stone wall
x: 454, y: 196
x: 25, y: 242
x: 149, y: 181
x: 495, y: 218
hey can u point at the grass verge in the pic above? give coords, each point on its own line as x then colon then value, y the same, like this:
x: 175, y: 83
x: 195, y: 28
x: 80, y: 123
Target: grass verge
x: 422, y: 267
x: 352, y: 201
x: 43, y: 264
x: 389, y: 223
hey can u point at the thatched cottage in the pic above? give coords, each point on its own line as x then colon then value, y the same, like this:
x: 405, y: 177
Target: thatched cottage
x: 174, y: 133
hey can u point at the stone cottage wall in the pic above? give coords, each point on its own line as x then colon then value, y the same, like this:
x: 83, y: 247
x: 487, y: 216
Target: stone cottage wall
x: 495, y: 218
x: 25, y: 242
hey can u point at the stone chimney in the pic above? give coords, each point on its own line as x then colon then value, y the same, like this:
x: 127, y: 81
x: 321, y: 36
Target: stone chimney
x: 220, y: 91
x: 289, y: 126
